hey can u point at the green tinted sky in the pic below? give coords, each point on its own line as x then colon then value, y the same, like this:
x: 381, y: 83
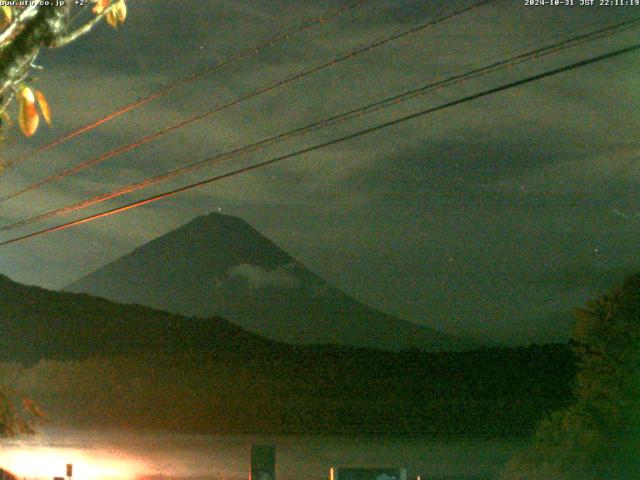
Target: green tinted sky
x: 495, y: 218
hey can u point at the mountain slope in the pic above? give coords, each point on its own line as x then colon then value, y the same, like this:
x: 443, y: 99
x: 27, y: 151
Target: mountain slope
x: 220, y: 265
x: 38, y: 324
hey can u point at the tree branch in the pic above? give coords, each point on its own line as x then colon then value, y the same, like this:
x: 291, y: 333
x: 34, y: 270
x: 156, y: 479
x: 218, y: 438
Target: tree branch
x: 40, y: 31
x: 83, y: 30
x: 24, y: 15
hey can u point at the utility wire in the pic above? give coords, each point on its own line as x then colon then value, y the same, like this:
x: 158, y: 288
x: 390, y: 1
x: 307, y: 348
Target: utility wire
x: 287, y: 80
x: 170, y: 87
x: 319, y: 146
x: 339, y: 118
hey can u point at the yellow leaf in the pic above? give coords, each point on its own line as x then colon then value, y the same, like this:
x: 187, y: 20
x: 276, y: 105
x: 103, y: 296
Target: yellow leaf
x: 28, y: 117
x: 100, y: 5
x: 44, y: 106
x: 7, y: 14
x: 121, y: 11
x: 112, y: 19
x: 5, y: 118
x: 117, y: 15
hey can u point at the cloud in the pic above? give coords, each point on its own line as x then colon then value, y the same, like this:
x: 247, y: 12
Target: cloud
x: 258, y: 277
x: 514, y: 187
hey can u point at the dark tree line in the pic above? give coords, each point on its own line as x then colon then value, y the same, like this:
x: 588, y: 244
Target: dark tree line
x: 598, y: 436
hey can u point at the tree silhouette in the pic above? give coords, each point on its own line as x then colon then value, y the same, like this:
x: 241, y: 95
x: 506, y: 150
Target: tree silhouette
x: 599, y: 435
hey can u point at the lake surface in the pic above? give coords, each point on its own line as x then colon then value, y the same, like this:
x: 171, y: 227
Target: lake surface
x: 104, y: 455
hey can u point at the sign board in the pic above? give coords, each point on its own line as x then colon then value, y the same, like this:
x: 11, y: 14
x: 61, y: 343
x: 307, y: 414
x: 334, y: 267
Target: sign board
x: 370, y: 474
x: 263, y: 462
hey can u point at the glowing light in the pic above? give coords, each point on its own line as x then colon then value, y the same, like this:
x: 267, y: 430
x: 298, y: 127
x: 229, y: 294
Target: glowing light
x: 45, y: 463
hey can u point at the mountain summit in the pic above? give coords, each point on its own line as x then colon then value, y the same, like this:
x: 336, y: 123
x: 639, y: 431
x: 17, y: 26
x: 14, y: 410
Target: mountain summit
x: 220, y: 265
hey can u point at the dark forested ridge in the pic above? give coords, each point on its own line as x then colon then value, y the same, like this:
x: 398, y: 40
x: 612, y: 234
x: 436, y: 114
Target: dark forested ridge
x: 94, y: 362
x: 43, y: 324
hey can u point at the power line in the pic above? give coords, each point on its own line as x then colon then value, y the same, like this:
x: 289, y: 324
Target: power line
x: 345, y: 138
x: 170, y: 87
x: 297, y: 76
x: 335, y: 119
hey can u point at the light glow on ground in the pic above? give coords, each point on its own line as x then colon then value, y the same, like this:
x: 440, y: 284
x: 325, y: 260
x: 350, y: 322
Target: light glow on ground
x: 46, y: 462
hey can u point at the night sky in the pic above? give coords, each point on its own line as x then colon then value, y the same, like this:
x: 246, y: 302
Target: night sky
x: 495, y: 218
